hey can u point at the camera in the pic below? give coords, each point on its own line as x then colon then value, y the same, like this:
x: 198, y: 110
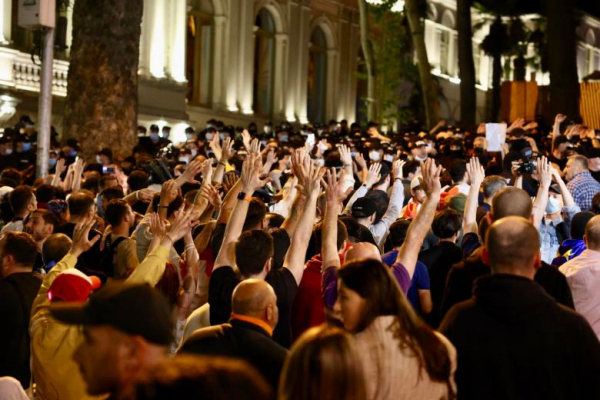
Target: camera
x: 526, y: 165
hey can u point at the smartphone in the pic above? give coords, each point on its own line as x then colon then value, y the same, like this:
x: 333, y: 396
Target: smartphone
x: 310, y: 139
x: 108, y: 170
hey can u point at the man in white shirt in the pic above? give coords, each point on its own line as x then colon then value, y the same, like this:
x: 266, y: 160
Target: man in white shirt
x: 583, y: 276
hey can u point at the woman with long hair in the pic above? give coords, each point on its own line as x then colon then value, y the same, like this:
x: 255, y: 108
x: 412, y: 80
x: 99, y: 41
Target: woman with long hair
x: 402, y: 357
x: 323, y: 364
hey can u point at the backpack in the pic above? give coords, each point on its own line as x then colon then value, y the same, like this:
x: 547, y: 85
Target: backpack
x: 109, y: 253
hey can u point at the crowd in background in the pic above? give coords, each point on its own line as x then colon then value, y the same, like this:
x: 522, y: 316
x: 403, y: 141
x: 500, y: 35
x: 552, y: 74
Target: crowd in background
x: 315, y: 262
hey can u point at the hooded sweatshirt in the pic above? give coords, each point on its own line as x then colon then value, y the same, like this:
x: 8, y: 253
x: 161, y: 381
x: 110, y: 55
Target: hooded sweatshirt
x: 515, y: 342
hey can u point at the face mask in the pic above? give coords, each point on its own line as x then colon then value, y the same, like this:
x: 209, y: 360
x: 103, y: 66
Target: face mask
x: 194, y: 152
x: 98, y: 160
x: 374, y: 155
x: 209, y: 136
x: 322, y: 147
x: 319, y: 162
x: 283, y: 138
x: 267, y: 129
x: 8, y: 151
x: 388, y: 158
x: 26, y: 146
x: 421, y: 158
x: 72, y: 153
x: 189, y: 136
x: 320, y: 132
x: 553, y: 205
x: 52, y: 162
x: 208, y: 126
x: 222, y: 136
x: 353, y: 154
x: 154, y: 136
x: 263, y: 143
x: 184, y: 159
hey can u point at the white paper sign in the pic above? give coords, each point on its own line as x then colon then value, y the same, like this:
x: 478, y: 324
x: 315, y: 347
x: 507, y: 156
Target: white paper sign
x: 495, y: 135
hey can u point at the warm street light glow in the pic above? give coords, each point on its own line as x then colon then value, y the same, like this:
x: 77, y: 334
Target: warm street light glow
x: 397, y: 7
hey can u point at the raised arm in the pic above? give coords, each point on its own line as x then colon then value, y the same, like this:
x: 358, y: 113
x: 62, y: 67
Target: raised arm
x: 334, y: 189
x: 77, y: 174
x: 294, y: 258
x: 226, y: 152
x: 409, y: 252
x: 60, y: 168
x: 476, y: 177
x: 544, y: 174
x: 250, y: 182
x: 556, y: 127
x: 373, y: 176
x: 564, y: 191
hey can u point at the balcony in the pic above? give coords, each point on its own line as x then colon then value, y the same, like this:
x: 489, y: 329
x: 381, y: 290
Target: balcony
x: 17, y: 71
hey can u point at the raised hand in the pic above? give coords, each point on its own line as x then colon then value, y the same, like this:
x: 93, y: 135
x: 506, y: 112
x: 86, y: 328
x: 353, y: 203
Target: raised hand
x: 544, y: 171
x: 157, y: 227
x: 81, y: 232
x: 430, y: 182
x: 345, y: 155
x: 397, y: 169
x: 190, y: 173
x: 251, y: 174
x: 334, y: 187
x: 360, y: 161
x: 475, y: 171
x: 229, y: 181
x: 228, y: 151
x: 215, y: 145
x: 312, y: 183
x: 559, y: 118
x: 373, y: 176
x: 146, y: 195
x: 181, y: 225
x: 60, y: 166
x: 246, y: 138
x: 210, y: 193
x: 168, y: 192
x: 254, y: 147
x: 271, y: 157
x: 300, y: 166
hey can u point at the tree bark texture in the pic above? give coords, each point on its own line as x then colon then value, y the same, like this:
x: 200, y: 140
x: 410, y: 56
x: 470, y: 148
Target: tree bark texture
x: 417, y: 31
x: 562, y: 57
x: 102, y: 97
x: 368, y: 54
x: 468, y: 99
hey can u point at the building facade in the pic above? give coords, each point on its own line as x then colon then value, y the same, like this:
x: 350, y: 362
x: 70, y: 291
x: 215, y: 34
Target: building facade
x: 257, y: 60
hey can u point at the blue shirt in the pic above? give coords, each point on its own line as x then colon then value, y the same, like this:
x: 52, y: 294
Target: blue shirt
x: 583, y: 187
x: 419, y: 281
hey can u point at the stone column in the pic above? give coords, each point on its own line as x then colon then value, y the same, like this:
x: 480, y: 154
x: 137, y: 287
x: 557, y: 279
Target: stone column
x: 231, y: 48
x: 5, y: 21
x: 246, y: 63
x: 302, y: 52
x: 219, y: 55
x: 281, y: 41
x: 333, y: 72
x: 144, y: 63
x: 177, y: 26
x: 157, y: 57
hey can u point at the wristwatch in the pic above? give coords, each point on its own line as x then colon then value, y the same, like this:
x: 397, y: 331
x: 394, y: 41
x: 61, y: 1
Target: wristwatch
x: 244, y: 196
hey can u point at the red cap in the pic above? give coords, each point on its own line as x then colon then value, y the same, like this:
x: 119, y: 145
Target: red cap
x: 73, y: 286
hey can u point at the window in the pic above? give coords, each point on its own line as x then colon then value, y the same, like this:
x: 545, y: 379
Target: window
x: 317, y: 76
x: 199, y: 50
x: 264, y: 64
x: 444, y: 51
x: 477, y: 62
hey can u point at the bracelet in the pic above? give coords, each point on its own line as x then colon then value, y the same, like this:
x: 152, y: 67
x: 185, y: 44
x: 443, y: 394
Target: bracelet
x: 189, y: 247
x: 137, y: 195
x: 222, y: 163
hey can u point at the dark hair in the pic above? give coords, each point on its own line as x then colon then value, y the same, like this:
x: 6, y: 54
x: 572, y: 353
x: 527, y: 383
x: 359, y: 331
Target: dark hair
x: 275, y: 220
x: 80, y: 203
x: 596, y: 204
x: 446, y: 223
x: 112, y: 193
x: 55, y: 247
x: 342, y: 235
x: 373, y: 281
x: 138, y: 180
x: 92, y: 184
x: 45, y: 192
x: 215, y: 378
x: 458, y: 169
x: 49, y: 217
x: 256, y: 214
x: 174, y: 206
x: 398, y: 231
x: 20, y: 197
x: 252, y: 251
x: 106, y: 178
x: 12, y: 174
x: 492, y: 185
x: 22, y: 247
x: 411, y: 167
x: 115, y: 211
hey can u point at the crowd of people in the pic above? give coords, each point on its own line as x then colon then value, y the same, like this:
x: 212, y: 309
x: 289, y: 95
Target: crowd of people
x: 322, y: 262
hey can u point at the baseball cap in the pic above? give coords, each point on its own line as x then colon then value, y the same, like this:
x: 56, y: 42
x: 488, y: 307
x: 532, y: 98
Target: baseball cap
x: 415, y: 183
x: 420, y: 143
x: 363, y: 208
x: 135, y: 309
x: 73, y: 285
x: 555, y: 188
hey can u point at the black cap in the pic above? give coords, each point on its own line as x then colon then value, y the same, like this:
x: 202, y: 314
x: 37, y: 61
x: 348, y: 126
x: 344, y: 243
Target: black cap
x: 135, y: 309
x: 363, y: 208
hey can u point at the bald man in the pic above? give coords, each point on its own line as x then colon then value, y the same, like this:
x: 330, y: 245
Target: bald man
x: 248, y: 335
x: 509, y: 202
x: 583, y: 276
x: 513, y: 340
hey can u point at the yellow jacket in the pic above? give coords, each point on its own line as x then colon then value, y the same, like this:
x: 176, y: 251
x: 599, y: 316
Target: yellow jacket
x: 55, y: 373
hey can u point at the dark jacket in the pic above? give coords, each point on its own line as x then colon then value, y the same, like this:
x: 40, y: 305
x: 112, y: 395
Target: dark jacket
x: 240, y: 339
x: 459, y: 286
x: 515, y: 342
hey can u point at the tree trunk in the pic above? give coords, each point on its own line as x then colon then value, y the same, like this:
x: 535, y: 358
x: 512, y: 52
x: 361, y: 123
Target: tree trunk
x: 368, y: 54
x: 562, y: 57
x: 102, y: 97
x: 468, y: 97
x: 496, y: 78
x: 417, y: 31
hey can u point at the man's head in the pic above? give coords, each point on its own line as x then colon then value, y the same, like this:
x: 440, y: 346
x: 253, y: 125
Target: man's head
x: 55, y: 247
x: 18, y: 252
x: 81, y: 205
x: 411, y: 169
x: 491, y: 185
x: 458, y: 171
x: 512, y: 246
x: 126, y: 330
x: 22, y: 200
x: 398, y: 231
x: 592, y: 234
x: 575, y: 165
x: 511, y: 201
x: 365, y: 209
x: 255, y: 217
x: 446, y: 224
x: 256, y: 298
x: 362, y: 251
x: 253, y: 253
x: 418, y: 194
x: 41, y: 224
x: 561, y: 144
x: 119, y: 213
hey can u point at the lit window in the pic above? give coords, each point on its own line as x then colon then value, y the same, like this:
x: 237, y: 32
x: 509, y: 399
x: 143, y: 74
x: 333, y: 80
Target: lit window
x: 199, y: 52
x: 317, y: 76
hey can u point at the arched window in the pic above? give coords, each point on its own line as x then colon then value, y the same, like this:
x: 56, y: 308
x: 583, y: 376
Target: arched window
x: 199, y: 51
x: 317, y: 76
x: 264, y: 64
